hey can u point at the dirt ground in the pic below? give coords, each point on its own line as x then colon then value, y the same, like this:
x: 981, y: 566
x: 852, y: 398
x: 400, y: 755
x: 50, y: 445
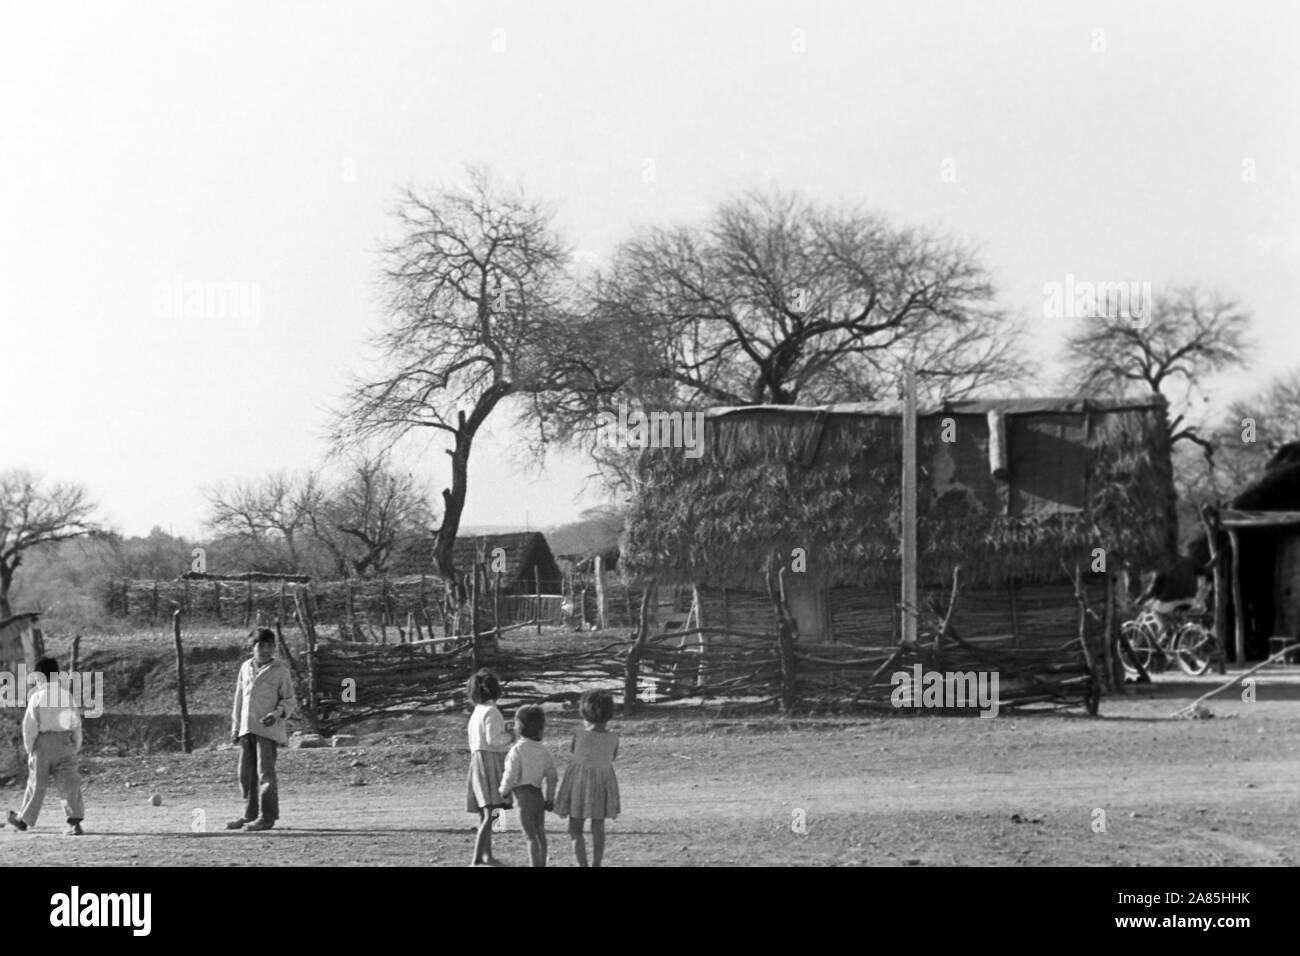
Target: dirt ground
x: 1021, y: 789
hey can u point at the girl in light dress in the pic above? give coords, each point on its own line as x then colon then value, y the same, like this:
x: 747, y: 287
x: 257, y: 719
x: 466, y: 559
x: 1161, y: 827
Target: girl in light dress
x: 590, y: 788
x: 489, y: 740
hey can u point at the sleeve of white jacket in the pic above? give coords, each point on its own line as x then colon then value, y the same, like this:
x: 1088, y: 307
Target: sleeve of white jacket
x: 236, y: 713
x: 510, y: 778
x: 31, y: 727
x: 288, y: 703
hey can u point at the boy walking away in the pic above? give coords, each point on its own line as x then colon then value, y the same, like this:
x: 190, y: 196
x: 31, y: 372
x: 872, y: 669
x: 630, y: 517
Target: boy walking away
x: 52, y: 736
x: 527, y: 765
x: 263, y: 703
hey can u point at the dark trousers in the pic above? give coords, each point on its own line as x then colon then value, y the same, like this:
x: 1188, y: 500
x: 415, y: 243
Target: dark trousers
x: 257, y: 778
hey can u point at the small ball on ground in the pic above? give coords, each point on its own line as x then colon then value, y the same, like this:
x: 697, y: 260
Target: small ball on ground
x: 156, y: 800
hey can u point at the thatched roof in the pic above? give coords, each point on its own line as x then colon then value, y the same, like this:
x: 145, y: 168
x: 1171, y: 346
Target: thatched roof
x: 1271, y: 500
x: 1278, y: 488
x: 1083, y: 474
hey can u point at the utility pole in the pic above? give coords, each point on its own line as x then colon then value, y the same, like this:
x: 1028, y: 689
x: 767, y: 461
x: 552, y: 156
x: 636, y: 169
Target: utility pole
x: 909, y: 616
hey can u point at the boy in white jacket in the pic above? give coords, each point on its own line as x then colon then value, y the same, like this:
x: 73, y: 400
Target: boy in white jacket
x: 264, y: 701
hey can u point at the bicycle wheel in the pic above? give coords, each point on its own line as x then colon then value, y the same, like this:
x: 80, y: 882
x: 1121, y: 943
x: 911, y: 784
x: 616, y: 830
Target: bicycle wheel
x: 1194, y: 649
x: 1143, y: 645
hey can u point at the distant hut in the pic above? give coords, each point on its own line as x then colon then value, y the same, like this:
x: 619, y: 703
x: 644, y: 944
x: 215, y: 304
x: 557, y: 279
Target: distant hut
x: 526, y: 559
x: 1018, y: 493
x: 584, y: 562
x: 1263, y: 528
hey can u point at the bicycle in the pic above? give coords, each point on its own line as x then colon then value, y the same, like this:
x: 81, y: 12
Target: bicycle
x: 1156, y: 638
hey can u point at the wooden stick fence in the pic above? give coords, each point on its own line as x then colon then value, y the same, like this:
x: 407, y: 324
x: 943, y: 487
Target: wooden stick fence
x: 344, y: 681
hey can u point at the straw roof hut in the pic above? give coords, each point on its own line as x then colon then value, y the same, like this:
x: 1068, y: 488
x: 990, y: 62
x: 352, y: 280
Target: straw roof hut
x: 1014, y: 491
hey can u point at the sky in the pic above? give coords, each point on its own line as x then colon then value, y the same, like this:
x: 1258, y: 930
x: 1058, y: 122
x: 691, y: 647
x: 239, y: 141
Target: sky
x: 257, y: 148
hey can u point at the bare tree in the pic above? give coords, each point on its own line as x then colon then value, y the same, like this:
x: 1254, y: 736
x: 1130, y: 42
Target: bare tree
x: 476, y: 289
x: 32, y: 514
x: 779, y: 300
x: 1189, y: 336
x: 277, y: 506
x: 1240, y: 446
x: 364, y: 520
x: 776, y: 300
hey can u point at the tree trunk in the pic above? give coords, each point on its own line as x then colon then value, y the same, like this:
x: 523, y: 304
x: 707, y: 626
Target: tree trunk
x: 633, y: 669
x: 600, y: 593
x: 453, y: 498
x: 293, y: 550
x: 444, y: 539
x: 1170, y: 505
x: 6, y: 579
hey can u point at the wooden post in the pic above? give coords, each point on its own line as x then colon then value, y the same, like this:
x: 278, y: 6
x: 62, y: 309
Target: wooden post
x: 496, y: 606
x: 909, y: 608
x: 1114, y: 667
x: 599, y: 568
x: 477, y: 651
x: 633, y: 669
x: 1220, y: 613
x: 76, y: 651
x: 155, y: 603
x: 784, y: 635
x: 697, y: 605
x: 279, y: 605
x: 828, y: 613
x: 537, y: 583
x: 349, y: 613
x: 1239, y: 612
x: 1089, y: 658
x: 248, y: 601
x: 283, y: 645
x: 126, y: 611
x: 1212, y: 531
x: 389, y: 610
x: 1015, y: 613
x: 302, y: 604
x: 424, y: 606
x: 35, y: 645
x: 216, y: 598
x: 186, y: 744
